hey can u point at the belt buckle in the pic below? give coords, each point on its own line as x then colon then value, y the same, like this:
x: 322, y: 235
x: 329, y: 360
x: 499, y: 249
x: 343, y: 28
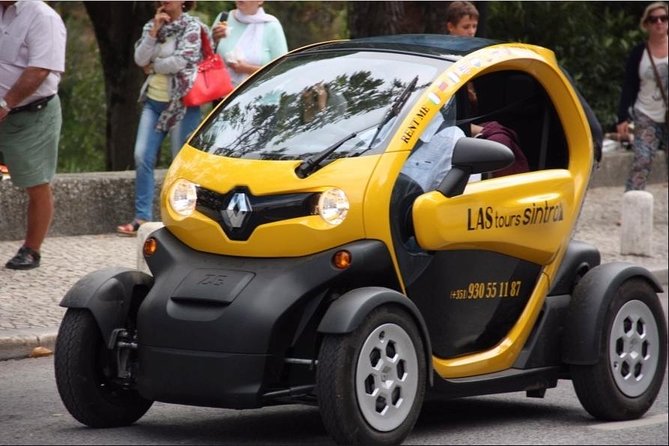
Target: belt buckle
x: 33, y: 106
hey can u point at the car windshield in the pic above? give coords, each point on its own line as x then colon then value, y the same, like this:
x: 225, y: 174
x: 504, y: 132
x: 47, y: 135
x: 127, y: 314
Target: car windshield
x: 309, y: 102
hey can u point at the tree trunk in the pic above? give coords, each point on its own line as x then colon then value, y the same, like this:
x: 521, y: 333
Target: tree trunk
x: 117, y: 27
x: 372, y: 18
x: 482, y: 30
x: 367, y: 18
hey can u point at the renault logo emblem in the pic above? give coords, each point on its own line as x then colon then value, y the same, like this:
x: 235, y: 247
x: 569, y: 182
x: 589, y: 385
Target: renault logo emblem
x: 237, y: 211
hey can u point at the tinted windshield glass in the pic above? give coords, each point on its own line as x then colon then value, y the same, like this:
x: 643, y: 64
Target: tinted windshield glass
x: 309, y: 102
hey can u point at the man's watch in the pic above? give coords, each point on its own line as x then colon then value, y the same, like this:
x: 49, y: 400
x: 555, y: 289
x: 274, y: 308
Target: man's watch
x: 4, y: 106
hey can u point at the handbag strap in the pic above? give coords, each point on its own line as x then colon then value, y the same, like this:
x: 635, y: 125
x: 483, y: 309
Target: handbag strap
x: 657, y: 76
x: 207, y: 52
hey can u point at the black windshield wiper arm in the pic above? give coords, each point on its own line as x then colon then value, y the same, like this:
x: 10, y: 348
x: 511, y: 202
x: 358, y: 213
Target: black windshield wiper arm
x: 310, y: 164
x: 399, y: 102
x: 394, y: 110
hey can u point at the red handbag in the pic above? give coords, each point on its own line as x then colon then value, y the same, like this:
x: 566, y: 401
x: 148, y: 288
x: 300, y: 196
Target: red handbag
x: 212, y: 80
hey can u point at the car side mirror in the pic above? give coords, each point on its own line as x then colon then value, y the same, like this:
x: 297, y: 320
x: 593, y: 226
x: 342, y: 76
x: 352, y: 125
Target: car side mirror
x: 470, y: 156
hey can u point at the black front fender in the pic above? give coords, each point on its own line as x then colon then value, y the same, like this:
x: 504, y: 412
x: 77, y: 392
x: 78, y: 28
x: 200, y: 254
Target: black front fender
x: 589, y: 304
x: 348, y: 311
x: 108, y: 293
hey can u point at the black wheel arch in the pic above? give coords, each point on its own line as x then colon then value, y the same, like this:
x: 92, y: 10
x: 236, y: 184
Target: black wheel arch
x: 347, y: 313
x: 108, y: 294
x: 584, y: 324
x: 580, y: 258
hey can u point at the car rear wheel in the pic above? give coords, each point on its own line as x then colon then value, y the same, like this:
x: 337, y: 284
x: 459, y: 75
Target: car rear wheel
x: 85, y: 369
x: 627, y: 377
x: 371, y: 382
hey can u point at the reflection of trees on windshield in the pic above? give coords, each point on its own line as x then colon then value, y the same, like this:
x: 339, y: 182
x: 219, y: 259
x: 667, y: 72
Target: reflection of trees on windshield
x: 267, y: 122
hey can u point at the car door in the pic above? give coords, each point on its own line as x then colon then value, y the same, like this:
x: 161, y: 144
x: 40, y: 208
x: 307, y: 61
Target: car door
x: 478, y: 264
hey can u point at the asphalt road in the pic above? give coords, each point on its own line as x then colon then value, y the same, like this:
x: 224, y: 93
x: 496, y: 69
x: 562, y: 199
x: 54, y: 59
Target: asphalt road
x: 31, y: 413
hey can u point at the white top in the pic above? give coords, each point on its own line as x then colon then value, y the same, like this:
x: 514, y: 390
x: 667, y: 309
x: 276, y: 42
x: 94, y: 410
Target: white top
x: 31, y: 35
x: 649, y: 100
x: 257, y: 39
x: 160, y: 54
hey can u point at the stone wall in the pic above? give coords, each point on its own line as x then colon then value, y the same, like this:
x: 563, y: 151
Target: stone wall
x: 95, y: 203
x: 86, y: 203
x: 615, y: 166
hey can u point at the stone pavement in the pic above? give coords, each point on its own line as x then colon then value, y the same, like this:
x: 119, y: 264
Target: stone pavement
x: 30, y: 314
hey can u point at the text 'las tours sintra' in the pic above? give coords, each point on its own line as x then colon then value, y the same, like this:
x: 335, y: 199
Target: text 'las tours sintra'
x: 489, y: 218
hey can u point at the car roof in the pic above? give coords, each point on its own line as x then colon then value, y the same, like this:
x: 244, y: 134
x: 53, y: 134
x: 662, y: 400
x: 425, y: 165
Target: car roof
x: 440, y: 45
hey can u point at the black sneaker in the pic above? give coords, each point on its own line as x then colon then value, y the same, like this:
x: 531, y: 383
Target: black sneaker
x: 26, y: 258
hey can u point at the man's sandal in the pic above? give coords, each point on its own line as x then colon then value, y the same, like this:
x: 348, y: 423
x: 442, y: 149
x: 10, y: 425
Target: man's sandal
x: 129, y: 229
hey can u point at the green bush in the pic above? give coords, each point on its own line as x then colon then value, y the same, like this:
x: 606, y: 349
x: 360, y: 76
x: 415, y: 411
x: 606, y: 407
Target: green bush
x: 83, y: 136
x: 82, y: 141
x: 590, y: 39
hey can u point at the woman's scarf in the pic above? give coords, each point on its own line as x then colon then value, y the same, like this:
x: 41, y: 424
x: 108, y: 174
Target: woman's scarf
x: 186, y: 31
x: 249, y: 45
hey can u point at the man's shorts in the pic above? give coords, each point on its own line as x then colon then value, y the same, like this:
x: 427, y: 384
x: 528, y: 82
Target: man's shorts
x: 29, y: 144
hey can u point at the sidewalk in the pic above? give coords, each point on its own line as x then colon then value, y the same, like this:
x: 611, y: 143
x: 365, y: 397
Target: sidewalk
x: 30, y: 314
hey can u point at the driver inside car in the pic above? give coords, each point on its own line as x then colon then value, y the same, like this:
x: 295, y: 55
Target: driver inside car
x: 430, y: 160
x: 318, y: 97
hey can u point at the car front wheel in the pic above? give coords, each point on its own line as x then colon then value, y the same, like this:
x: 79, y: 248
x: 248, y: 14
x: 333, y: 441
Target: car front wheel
x: 85, y: 371
x: 371, y: 382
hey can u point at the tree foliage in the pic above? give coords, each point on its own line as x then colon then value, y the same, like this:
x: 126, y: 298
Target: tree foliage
x: 590, y: 39
x: 100, y: 86
x: 82, y: 94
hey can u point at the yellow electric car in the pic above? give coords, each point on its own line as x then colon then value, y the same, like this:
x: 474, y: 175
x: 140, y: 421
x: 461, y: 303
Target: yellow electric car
x: 364, y: 224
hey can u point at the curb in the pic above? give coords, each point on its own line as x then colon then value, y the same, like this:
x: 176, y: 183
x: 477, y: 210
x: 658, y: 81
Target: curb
x: 19, y: 344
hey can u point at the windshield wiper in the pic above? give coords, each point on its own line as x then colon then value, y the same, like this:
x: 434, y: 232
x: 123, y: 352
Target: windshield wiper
x: 312, y: 163
x: 393, y: 111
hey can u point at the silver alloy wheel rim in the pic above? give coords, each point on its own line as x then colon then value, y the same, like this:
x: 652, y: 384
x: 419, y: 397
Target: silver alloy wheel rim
x: 634, y: 344
x: 386, y: 377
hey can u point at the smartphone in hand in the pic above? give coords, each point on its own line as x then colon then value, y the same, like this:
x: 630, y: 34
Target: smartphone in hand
x: 223, y: 22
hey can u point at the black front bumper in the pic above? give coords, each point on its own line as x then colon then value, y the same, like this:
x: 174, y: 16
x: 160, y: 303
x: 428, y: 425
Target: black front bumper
x: 216, y: 330
x: 201, y: 378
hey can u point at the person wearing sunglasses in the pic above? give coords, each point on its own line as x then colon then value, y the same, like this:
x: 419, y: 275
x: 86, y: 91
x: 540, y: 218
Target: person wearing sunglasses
x: 643, y: 99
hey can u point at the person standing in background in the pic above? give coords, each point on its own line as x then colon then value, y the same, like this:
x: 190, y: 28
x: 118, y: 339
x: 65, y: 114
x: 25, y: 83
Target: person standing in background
x: 643, y: 97
x: 168, y: 52
x: 462, y: 19
x: 247, y: 39
x: 32, y: 60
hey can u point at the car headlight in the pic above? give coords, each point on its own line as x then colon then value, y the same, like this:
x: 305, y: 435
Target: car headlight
x: 183, y: 197
x: 333, y: 206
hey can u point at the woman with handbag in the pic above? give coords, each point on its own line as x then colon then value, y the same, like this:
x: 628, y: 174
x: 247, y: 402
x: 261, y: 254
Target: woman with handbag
x: 247, y: 39
x: 644, y: 95
x: 168, y: 52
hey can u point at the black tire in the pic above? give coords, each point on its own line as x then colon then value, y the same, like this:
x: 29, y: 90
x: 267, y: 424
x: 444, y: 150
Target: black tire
x: 349, y: 368
x: 82, y: 363
x: 627, y: 377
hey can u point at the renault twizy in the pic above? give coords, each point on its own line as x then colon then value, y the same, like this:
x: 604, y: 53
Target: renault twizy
x: 306, y: 259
